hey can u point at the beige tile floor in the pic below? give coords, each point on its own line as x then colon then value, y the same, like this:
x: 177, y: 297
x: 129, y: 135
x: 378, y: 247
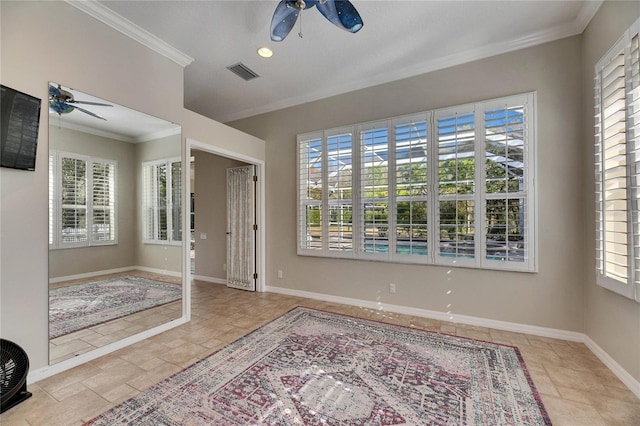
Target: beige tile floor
x: 576, y: 388
x: 88, y: 339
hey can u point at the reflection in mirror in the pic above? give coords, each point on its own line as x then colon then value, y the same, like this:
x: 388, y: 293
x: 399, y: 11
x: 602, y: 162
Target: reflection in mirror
x: 115, y: 222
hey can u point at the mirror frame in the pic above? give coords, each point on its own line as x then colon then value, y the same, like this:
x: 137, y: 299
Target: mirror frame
x: 184, y: 315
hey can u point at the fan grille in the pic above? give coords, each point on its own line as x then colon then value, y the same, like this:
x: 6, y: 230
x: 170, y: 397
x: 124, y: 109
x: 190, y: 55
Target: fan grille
x: 14, y: 366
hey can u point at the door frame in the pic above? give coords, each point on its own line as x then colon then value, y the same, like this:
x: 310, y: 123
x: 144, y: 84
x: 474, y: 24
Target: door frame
x: 260, y: 210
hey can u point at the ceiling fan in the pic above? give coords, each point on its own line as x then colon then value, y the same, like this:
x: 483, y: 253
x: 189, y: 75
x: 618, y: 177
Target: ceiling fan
x: 341, y: 13
x: 62, y: 102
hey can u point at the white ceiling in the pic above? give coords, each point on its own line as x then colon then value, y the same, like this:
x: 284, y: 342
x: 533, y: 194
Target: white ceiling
x: 399, y: 39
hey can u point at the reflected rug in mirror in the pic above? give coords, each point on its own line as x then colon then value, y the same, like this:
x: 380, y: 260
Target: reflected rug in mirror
x: 81, y: 306
x: 312, y: 367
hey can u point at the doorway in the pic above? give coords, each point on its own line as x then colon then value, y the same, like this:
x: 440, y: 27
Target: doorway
x: 210, y: 239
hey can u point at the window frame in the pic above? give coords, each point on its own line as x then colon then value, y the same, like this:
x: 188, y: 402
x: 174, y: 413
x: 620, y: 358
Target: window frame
x: 171, y: 204
x: 631, y: 141
x: 432, y: 257
x: 56, y: 158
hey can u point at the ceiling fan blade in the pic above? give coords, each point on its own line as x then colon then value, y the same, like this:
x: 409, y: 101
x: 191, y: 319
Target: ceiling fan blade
x: 89, y: 103
x: 284, y: 18
x: 90, y: 113
x: 60, y: 107
x: 342, y: 14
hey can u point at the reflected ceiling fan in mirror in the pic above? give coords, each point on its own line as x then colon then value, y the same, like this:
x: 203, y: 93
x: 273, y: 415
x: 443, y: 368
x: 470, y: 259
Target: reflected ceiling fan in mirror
x: 341, y: 13
x: 62, y: 101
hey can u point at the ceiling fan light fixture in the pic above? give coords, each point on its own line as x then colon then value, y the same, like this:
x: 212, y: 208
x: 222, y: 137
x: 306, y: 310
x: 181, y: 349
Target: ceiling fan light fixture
x: 265, y: 52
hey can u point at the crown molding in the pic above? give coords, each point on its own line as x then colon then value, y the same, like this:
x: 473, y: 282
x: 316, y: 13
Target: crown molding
x: 558, y: 32
x: 586, y: 14
x: 131, y: 30
x: 113, y: 135
x: 159, y: 135
x: 90, y: 130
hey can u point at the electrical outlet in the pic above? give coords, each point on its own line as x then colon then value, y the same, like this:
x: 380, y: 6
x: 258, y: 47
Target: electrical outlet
x: 224, y: 266
x: 392, y: 288
x: 203, y: 235
x: 279, y: 273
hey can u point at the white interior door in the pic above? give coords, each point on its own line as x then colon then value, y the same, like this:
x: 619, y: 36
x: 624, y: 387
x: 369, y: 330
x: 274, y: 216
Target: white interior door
x: 241, y: 228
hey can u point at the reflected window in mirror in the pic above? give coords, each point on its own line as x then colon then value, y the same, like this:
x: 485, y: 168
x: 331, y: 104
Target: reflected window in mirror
x: 82, y: 200
x: 162, y: 182
x: 99, y: 163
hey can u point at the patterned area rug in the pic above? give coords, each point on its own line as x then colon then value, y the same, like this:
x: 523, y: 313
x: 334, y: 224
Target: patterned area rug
x: 316, y: 368
x: 76, y: 307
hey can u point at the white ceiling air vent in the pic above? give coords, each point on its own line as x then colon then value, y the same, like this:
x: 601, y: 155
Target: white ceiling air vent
x: 241, y: 70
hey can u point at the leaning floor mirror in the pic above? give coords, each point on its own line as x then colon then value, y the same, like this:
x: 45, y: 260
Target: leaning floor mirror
x: 115, y: 222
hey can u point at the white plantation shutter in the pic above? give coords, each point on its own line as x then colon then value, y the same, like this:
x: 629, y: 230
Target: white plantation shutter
x: 411, y: 186
x: 617, y: 166
x: 456, y: 207
x: 338, y: 192
x: 82, y: 200
x: 310, y: 184
x: 162, y: 201
x: 176, y: 200
x: 450, y: 187
x: 374, y: 188
x: 507, y: 213
x: 53, y: 200
x: 73, y: 200
x: 104, y: 202
x: 325, y: 192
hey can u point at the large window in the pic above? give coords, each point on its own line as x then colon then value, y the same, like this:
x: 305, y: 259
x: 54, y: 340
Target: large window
x: 450, y: 187
x: 162, y: 201
x: 617, y: 149
x: 82, y: 200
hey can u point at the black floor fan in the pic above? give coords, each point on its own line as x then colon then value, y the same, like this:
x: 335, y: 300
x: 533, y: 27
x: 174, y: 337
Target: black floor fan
x: 14, y: 366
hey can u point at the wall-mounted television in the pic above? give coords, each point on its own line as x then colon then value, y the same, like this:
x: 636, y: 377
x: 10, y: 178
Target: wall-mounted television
x: 19, y: 124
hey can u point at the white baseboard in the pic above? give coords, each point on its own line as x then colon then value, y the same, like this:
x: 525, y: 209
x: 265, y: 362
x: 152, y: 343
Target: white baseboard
x: 91, y: 274
x: 617, y: 369
x: 50, y: 370
x: 114, y: 271
x: 177, y: 274
x: 621, y: 373
x: 209, y: 279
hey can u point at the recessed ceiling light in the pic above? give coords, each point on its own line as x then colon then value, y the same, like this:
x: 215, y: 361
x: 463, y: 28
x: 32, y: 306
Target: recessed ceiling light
x: 265, y: 52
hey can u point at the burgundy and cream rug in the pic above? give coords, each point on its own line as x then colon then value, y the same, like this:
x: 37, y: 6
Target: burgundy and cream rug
x: 81, y: 306
x: 311, y: 367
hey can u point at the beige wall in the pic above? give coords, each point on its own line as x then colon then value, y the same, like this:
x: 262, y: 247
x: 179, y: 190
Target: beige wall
x: 163, y: 257
x: 612, y: 321
x: 563, y: 293
x: 65, y: 262
x: 553, y: 297
x: 130, y: 250
x: 211, y: 213
x: 92, y: 58
x: 53, y: 41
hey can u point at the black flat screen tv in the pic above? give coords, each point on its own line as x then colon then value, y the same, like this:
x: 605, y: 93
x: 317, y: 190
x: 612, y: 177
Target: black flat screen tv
x: 19, y: 124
